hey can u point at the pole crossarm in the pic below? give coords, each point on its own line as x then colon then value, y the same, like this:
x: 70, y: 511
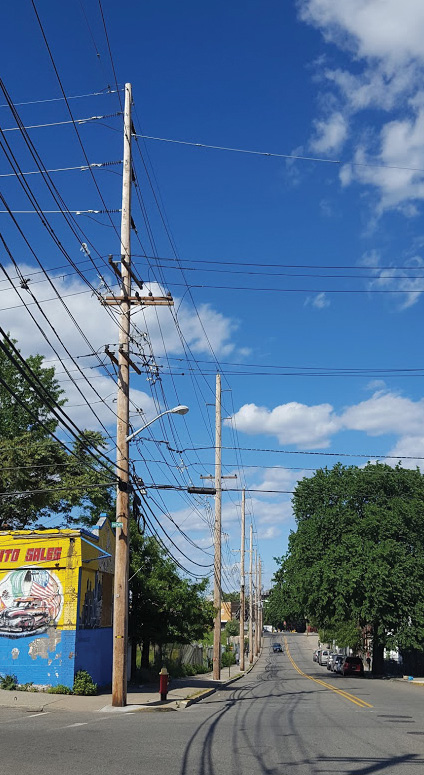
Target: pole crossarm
x: 144, y: 301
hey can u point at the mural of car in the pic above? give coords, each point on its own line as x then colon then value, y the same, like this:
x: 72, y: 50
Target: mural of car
x: 26, y: 615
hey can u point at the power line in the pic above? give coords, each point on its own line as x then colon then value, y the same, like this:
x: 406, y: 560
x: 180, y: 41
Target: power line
x: 61, y: 99
x: 280, y: 155
x: 59, y: 212
x: 110, y: 52
x: 63, y: 123
x: 80, y: 168
x: 40, y: 491
x: 259, y: 262
x: 297, y: 290
x: 309, y: 452
x: 297, y: 274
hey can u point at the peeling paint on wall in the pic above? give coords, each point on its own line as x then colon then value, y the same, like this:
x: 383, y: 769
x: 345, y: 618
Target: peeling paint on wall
x: 40, y: 647
x: 15, y: 653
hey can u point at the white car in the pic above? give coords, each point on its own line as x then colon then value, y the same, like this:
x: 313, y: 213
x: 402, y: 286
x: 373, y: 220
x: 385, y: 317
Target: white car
x: 337, y: 663
x: 323, y: 657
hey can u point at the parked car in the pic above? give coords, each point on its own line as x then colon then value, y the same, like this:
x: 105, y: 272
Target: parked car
x: 277, y: 647
x: 338, y: 660
x: 315, y: 655
x: 323, y: 657
x: 352, y: 666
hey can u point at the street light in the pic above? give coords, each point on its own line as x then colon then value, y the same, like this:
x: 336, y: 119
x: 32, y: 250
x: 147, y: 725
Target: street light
x: 176, y: 410
x: 120, y: 606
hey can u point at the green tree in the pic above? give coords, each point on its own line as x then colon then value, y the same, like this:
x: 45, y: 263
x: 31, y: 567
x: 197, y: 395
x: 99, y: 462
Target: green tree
x: 164, y: 607
x: 49, y: 480
x: 232, y: 628
x: 357, y: 556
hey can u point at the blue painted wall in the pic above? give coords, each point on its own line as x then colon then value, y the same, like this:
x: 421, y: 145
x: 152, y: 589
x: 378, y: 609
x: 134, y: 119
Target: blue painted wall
x: 94, y: 654
x: 48, y: 658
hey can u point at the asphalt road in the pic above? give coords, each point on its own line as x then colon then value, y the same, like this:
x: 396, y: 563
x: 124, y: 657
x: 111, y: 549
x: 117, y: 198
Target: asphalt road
x: 275, y: 720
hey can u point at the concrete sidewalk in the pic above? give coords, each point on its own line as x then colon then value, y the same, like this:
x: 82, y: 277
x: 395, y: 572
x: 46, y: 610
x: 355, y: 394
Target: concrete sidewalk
x: 182, y: 693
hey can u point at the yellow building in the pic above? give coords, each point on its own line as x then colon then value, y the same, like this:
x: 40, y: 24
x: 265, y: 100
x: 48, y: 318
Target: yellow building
x: 56, y: 600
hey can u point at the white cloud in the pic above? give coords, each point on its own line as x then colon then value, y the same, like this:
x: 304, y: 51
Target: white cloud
x: 292, y: 423
x: 99, y: 325
x: 384, y: 41
x: 320, y: 301
x: 312, y: 427
x: 399, y: 180
x: 382, y: 29
x: 330, y: 134
x: 267, y: 533
x: 385, y: 413
x: 405, y: 282
x: 407, y: 447
x: 376, y: 384
x: 279, y: 479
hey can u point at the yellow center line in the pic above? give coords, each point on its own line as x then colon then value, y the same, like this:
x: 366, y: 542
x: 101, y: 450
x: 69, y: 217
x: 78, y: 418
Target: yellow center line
x: 341, y: 692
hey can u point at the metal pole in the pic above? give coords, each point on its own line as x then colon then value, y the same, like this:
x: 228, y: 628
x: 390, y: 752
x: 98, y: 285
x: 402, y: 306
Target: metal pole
x: 120, y: 608
x: 242, y: 595
x: 217, y: 535
x: 251, y: 597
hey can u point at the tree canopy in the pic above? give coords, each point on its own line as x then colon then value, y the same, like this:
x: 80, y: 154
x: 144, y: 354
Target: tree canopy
x: 356, y: 559
x: 42, y: 477
x: 164, y: 607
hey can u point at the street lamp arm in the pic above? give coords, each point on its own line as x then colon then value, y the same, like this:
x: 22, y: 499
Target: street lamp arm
x: 175, y: 410
x: 131, y: 436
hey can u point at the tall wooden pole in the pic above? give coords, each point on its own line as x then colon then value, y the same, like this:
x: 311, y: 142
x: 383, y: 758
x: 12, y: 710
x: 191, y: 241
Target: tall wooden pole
x: 251, y: 596
x: 260, y: 625
x: 256, y: 605
x: 217, y: 535
x: 242, y: 595
x: 120, y: 609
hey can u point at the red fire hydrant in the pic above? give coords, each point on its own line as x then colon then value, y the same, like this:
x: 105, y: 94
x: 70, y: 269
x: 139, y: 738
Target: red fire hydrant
x: 163, y: 683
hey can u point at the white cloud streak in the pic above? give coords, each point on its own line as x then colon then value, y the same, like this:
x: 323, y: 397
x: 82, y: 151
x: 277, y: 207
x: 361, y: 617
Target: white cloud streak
x: 384, y: 41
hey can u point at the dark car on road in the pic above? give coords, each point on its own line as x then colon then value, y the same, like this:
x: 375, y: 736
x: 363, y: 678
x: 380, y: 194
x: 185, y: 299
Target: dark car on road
x: 277, y: 647
x: 352, y: 666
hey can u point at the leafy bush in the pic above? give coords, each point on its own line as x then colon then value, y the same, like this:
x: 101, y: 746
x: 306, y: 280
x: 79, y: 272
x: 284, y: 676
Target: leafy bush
x: 8, y: 682
x: 228, y: 659
x: 59, y: 689
x: 28, y: 687
x: 83, y: 683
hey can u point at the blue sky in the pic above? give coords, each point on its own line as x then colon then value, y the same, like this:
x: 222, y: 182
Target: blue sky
x: 330, y: 79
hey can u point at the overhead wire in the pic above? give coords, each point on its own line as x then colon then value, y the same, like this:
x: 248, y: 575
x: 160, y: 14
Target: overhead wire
x: 295, y: 157
x: 174, y: 250
x: 61, y: 99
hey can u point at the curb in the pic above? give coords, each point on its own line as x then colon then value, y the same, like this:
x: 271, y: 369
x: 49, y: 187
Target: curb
x: 26, y: 708
x: 187, y: 701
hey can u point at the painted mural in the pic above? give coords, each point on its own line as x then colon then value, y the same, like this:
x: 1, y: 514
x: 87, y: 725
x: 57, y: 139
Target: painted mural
x: 56, y: 601
x: 30, y: 601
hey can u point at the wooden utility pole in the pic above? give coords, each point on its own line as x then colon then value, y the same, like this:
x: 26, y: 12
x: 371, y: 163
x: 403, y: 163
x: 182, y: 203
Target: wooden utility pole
x: 256, y: 605
x: 251, y: 596
x: 123, y: 360
x: 120, y: 611
x: 260, y: 627
x: 242, y: 595
x: 217, y: 535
